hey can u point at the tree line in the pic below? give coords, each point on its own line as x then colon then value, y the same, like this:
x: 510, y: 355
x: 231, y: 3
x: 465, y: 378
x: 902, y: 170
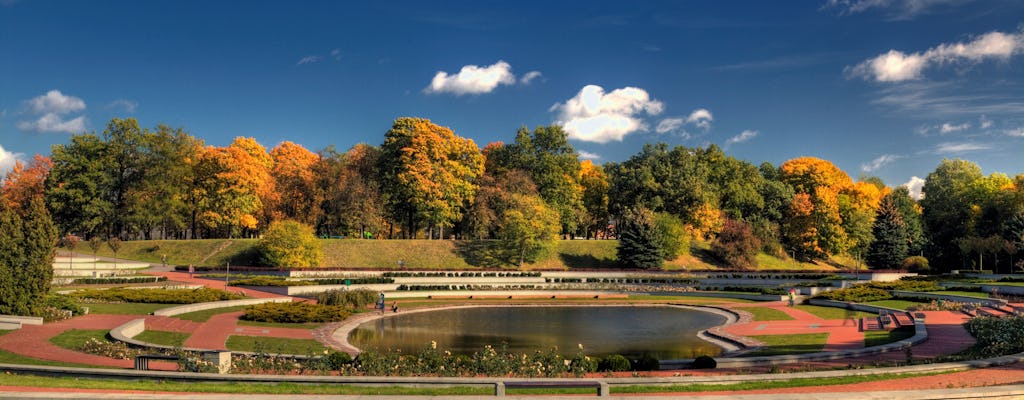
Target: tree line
x: 424, y: 181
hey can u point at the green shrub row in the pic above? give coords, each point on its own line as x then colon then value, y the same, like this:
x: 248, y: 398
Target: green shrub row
x: 403, y: 274
x: 811, y: 276
x: 997, y: 336
x: 278, y: 281
x: 354, y: 299
x: 856, y: 294
x: 420, y: 288
x: 166, y: 296
x: 118, y: 280
x: 295, y: 312
x: 907, y: 285
x: 771, y: 291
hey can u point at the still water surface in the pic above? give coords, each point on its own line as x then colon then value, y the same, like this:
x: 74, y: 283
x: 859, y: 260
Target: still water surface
x: 663, y: 332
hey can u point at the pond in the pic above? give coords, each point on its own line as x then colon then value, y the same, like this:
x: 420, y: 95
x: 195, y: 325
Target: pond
x: 662, y: 332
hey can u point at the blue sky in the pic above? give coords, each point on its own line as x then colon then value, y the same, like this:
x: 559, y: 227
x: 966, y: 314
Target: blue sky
x: 883, y: 87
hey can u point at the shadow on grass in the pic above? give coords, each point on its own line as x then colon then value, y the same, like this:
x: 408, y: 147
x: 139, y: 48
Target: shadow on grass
x: 482, y: 253
x: 247, y: 257
x: 588, y: 261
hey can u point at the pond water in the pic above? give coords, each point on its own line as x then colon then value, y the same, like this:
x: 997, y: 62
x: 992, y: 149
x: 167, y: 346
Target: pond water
x: 663, y: 332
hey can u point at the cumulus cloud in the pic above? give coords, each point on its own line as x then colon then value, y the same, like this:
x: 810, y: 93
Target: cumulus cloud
x: 897, y: 66
x: 984, y: 122
x: 914, y: 185
x: 878, y: 162
x: 529, y: 77
x: 586, y: 155
x: 50, y: 110
x: 7, y: 160
x: 742, y: 137
x: 336, y: 54
x: 961, y: 147
x: 595, y: 116
x: 1019, y: 132
x: 669, y: 124
x: 472, y: 79
x: 308, y: 60
x: 950, y: 128
x: 701, y: 117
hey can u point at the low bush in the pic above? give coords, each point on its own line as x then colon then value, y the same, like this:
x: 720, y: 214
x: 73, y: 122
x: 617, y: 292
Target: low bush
x: 856, y: 294
x: 704, y: 362
x: 646, y: 363
x: 614, y: 363
x: 915, y: 264
x: 997, y: 336
x: 269, y: 281
x: 295, y: 313
x: 58, y: 307
x: 354, y: 299
x: 907, y: 285
x: 118, y: 280
x: 166, y: 296
x: 337, y: 360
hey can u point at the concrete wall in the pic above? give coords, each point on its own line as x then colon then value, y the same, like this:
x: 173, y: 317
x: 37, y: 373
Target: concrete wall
x: 949, y: 297
x: 187, y: 308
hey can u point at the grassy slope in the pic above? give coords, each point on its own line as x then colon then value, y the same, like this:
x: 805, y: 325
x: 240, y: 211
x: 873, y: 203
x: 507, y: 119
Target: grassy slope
x: 426, y: 254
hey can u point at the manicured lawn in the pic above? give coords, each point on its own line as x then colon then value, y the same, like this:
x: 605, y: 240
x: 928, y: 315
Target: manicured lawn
x: 176, y: 339
x: 897, y: 304
x: 833, y: 312
x: 791, y: 383
x: 766, y: 314
x: 73, y: 339
x: 125, y: 308
x: 311, y: 325
x: 204, y: 315
x: 878, y: 338
x: 980, y: 295
x: 790, y: 344
x: 274, y: 345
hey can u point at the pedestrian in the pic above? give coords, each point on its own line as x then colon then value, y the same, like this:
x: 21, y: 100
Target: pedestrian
x: 191, y: 270
x: 792, y: 297
x: 394, y: 307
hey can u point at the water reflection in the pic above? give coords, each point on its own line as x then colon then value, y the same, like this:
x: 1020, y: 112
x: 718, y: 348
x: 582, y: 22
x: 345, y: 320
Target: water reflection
x: 663, y: 332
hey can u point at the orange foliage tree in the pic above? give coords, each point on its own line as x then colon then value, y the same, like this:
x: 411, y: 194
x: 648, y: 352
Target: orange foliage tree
x: 26, y: 183
x: 294, y: 191
x: 815, y: 226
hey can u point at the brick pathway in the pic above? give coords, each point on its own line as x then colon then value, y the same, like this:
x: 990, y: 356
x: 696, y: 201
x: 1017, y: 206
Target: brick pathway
x: 842, y: 334
x: 213, y: 334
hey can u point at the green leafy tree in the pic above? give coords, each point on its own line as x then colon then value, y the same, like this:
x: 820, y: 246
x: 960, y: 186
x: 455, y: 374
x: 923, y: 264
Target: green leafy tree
x: 289, y: 244
x: 890, y: 246
x: 528, y: 229
x: 675, y: 240
x: 122, y: 163
x: 115, y: 245
x: 95, y: 244
x: 75, y: 189
x: 947, y: 211
x: 736, y: 245
x: 27, y: 240
x: 162, y: 197
x: 640, y: 240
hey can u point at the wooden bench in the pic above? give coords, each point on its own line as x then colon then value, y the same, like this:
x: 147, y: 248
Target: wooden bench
x: 602, y: 387
x: 142, y: 361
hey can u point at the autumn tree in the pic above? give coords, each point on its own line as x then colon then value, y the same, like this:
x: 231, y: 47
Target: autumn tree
x: 25, y: 183
x: 736, y: 245
x: 294, y: 191
x: 595, y: 186
x: 235, y: 181
x: 814, y: 228
x: 289, y: 244
x: 428, y: 174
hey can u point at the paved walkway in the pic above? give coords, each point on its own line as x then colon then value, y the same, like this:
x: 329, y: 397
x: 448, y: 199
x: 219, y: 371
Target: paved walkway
x: 214, y: 333
x: 842, y: 334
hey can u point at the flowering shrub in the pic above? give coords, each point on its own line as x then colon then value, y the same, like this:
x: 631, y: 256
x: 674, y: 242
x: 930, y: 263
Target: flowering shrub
x: 997, y: 336
x: 946, y: 305
x: 488, y: 362
x: 117, y: 350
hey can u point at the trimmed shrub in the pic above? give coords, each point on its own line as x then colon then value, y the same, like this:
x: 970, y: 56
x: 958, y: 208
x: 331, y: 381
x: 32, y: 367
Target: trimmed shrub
x: 997, y: 336
x: 614, y: 363
x: 704, y: 362
x: 119, y: 280
x: 916, y: 264
x: 290, y: 244
x: 294, y: 313
x: 337, y: 360
x: 348, y: 298
x: 646, y: 363
x: 167, y: 296
x: 856, y: 294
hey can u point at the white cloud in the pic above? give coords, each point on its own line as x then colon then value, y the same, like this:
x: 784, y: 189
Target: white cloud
x: 594, y: 116
x: 472, y: 79
x: 57, y: 103
x: 914, y: 185
x: 701, y: 117
x: 896, y: 9
x: 962, y: 147
x: 586, y: 155
x: 336, y: 54
x: 897, y: 66
x: 128, y: 105
x: 308, y: 60
x: 50, y: 109
x: 1019, y: 132
x: 949, y: 128
x: 742, y: 137
x: 7, y: 160
x: 669, y: 124
x: 878, y: 162
x: 984, y: 122
x: 529, y: 77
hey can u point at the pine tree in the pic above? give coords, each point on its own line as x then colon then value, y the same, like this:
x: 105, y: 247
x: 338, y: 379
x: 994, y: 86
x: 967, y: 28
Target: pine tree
x: 889, y: 248
x: 27, y: 240
x: 640, y: 241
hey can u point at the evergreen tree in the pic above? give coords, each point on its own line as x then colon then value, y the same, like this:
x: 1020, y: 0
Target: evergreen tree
x: 640, y: 241
x: 27, y: 240
x: 889, y: 248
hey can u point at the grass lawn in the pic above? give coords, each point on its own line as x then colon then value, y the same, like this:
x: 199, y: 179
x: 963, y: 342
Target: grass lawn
x: 833, y: 312
x: 310, y: 325
x: 980, y: 295
x: 176, y: 339
x: 125, y: 308
x: 897, y: 304
x: 766, y: 314
x: 274, y: 345
x: 878, y: 338
x: 73, y: 339
x: 204, y: 315
x: 790, y: 344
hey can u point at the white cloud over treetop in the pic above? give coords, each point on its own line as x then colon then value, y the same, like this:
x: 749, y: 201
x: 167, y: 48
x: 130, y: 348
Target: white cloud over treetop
x: 473, y: 79
x: 878, y: 162
x: 742, y: 137
x: 897, y: 66
x: 7, y: 160
x: 914, y: 186
x: 50, y: 109
x: 595, y: 116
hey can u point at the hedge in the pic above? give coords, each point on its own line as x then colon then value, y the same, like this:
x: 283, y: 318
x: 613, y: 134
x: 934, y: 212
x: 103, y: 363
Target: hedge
x: 165, y: 296
x: 295, y: 313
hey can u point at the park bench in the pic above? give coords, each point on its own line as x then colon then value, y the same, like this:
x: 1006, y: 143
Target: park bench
x: 601, y: 387
x: 142, y: 360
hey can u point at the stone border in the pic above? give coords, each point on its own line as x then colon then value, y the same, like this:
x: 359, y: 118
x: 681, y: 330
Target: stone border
x: 187, y: 308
